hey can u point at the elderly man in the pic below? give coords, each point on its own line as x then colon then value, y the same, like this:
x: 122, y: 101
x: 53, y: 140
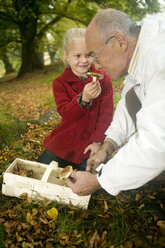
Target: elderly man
x: 122, y: 48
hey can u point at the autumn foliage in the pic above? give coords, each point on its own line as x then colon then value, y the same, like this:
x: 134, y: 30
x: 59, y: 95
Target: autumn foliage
x: 134, y: 218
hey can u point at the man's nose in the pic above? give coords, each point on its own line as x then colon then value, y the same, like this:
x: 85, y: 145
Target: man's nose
x: 98, y: 66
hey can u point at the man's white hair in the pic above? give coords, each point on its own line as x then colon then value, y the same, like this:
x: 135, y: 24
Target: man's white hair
x: 111, y: 21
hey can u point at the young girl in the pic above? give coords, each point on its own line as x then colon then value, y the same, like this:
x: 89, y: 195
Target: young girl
x: 86, y: 107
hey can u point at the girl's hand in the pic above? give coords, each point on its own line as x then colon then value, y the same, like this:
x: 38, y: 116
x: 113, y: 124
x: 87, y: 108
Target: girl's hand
x: 101, y: 156
x: 91, y: 91
x: 93, y: 147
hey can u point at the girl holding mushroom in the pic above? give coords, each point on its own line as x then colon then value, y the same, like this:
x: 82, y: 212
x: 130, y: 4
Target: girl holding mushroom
x: 85, y: 103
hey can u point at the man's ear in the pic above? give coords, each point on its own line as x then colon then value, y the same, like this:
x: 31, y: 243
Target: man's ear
x: 122, y: 40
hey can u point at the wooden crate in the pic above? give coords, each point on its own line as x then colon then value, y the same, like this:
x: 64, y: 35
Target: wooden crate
x: 40, y: 181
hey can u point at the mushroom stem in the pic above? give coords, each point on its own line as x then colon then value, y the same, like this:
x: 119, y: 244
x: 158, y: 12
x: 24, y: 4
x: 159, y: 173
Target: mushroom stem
x: 94, y: 79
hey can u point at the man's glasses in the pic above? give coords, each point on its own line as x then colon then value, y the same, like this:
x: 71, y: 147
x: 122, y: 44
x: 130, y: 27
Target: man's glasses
x: 95, y: 58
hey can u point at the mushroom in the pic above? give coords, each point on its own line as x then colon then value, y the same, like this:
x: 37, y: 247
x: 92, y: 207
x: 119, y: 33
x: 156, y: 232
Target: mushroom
x: 95, y: 76
x: 65, y: 173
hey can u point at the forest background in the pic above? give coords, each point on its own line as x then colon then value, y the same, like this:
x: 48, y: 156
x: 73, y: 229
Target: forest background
x: 31, y: 34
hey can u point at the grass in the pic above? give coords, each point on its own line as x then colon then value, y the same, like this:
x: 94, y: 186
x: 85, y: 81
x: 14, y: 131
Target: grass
x: 25, y: 100
x: 10, y: 129
x: 31, y: 96
x: 2, y: 236
x: 117, y: 88
x: 49, y: 101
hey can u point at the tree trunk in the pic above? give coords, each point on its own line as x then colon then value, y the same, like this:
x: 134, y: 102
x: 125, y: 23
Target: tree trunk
x: 52, y: 53
x: 30, y: 59
x: 7, y: 64
x: 41, y: 57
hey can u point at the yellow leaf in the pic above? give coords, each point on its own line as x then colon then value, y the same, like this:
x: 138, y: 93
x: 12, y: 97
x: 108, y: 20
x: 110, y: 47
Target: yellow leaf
x: 52, y: 213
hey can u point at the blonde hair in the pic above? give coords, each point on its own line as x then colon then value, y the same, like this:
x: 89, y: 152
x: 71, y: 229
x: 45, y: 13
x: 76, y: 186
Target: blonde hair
x: 70, y: 35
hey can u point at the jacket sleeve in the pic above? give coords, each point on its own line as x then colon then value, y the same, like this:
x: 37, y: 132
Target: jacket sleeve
x: 143, y: 157
x: 106, y: 108
x: 67, y: 106
x: 122, y: 125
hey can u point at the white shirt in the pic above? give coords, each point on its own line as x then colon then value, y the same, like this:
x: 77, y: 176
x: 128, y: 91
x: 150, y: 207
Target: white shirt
x: 143, y: 157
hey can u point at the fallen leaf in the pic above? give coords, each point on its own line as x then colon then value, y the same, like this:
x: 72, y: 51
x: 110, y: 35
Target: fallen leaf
x: 161, y: 225
x: 52, y: 213
x: 63, y: 239
x: 94, y: 240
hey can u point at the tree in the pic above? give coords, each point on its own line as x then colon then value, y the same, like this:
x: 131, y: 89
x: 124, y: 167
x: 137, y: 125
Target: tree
x: 4, y: 57
x: 136, y: 9
x: 28, y: 21
x: 7, y: 64
x: 33, y: 19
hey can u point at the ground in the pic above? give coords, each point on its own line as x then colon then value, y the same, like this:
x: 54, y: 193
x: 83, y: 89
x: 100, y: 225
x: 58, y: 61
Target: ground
x: 133, y: 219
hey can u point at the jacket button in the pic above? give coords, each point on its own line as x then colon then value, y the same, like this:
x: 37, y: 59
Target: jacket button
x: 74, y: 87
x: 86, y: 136
x: 91, y: 114
x: 73, y: 134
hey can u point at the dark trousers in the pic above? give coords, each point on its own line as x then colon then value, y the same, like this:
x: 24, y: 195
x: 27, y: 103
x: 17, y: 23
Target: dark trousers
x: 47, y: 157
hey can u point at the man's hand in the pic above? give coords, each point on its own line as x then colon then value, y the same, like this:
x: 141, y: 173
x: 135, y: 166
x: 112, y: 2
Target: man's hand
x: 101, y: 156
x: 83, y: 183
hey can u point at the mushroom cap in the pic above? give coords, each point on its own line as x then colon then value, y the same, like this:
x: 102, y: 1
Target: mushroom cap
x: 94, y: 74
x: 65, y: 173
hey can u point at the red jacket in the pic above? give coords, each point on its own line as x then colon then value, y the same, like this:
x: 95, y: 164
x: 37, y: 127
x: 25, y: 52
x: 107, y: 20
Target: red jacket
x: 79, y: 126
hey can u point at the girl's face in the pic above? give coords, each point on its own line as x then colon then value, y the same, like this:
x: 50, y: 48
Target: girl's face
x: 78, y: 58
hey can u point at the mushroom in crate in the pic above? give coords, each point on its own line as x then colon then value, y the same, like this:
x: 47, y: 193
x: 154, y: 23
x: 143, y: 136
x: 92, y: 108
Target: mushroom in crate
x: 66, y: 172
